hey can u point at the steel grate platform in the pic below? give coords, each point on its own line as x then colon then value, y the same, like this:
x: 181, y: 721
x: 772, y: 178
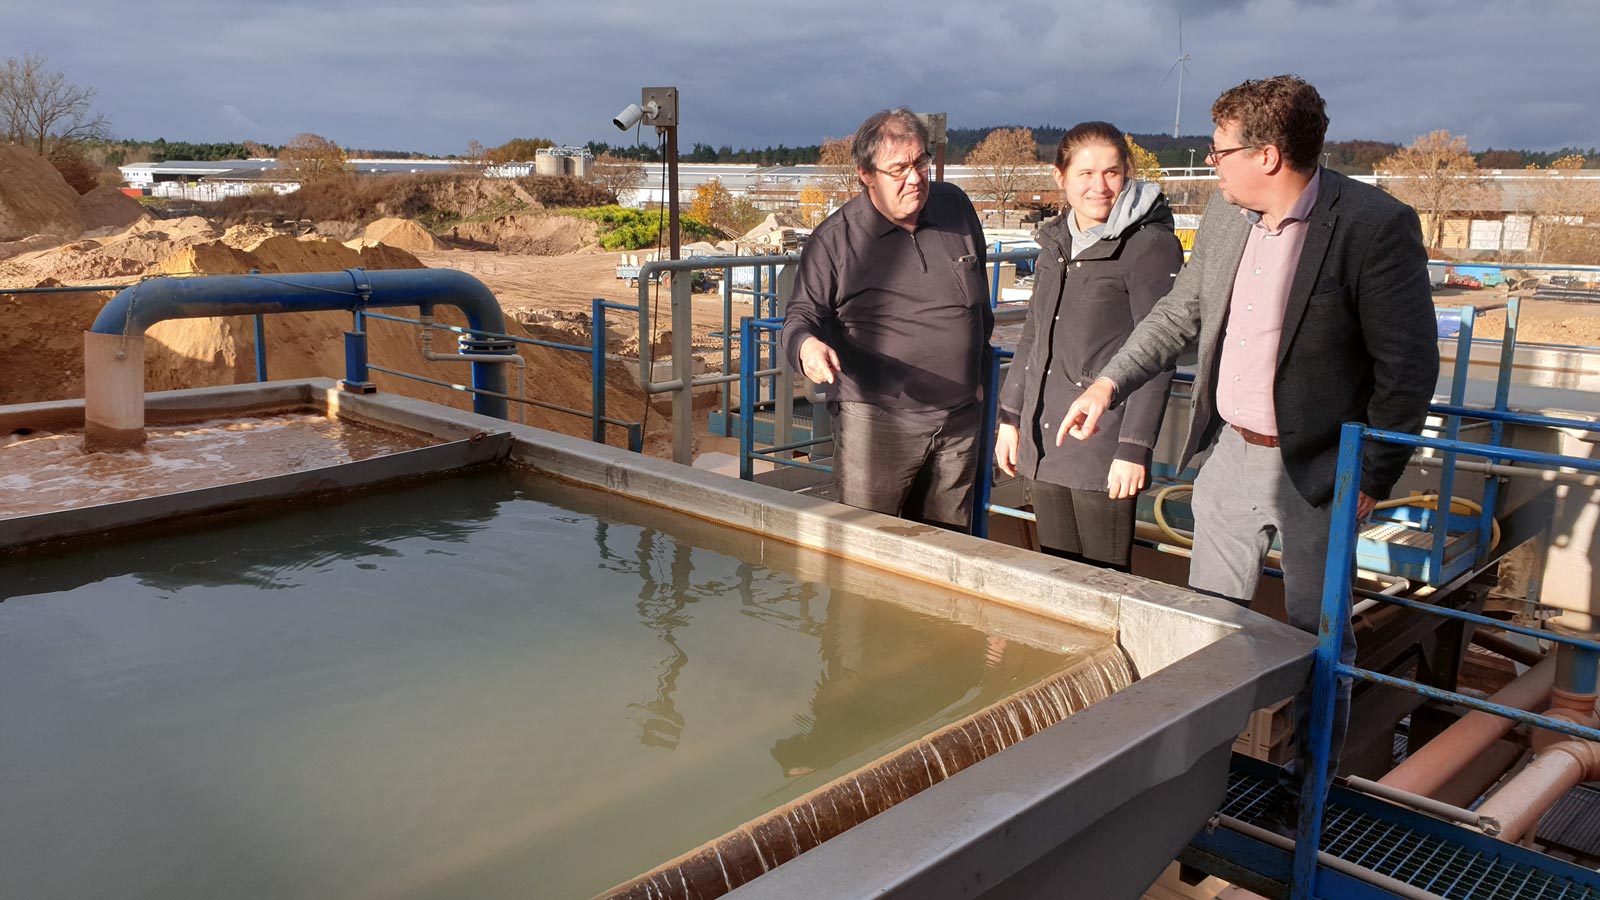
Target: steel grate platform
x: 1448, y: 868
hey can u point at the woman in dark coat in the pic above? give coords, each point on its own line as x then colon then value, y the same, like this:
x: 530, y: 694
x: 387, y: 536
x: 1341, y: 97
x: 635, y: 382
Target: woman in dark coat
x: 1103, y: 263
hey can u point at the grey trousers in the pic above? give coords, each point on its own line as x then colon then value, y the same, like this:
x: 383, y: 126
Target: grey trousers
x: 1243, y: 498
x: 920, y: 466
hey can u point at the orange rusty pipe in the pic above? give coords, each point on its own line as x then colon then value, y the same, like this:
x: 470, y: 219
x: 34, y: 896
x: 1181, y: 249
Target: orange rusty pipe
x: 1522, y: 801
x: 1433, y: 765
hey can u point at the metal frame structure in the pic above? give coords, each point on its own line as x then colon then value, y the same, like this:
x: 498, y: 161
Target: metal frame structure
x: 1337, y: 593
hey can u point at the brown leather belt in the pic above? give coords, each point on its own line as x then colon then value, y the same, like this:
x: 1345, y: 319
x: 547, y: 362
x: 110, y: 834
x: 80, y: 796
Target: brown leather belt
x: 1252, y: 437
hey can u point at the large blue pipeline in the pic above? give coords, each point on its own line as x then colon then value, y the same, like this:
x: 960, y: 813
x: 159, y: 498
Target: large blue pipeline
x: 148, y: 302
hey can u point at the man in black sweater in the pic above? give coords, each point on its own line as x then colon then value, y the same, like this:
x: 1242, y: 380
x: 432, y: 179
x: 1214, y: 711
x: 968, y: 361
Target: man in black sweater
x: 891, y: 312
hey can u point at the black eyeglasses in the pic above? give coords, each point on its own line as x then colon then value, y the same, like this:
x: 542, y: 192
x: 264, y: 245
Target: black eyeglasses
x: 922, y: 164
x: 1214, y: 154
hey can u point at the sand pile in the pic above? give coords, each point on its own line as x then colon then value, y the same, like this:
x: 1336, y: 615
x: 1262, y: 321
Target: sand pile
x: 106, y: 207
x: 536, y: 234
x: 403, y: 234
x: 41, y: 339
x: 119, y: 257
x: 34, y: 198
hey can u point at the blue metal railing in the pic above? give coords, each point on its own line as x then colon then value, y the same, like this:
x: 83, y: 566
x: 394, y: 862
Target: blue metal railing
x: 999, y: 254
x: 596, y: 350
x: 750, y: 400
x: 1336, y: 597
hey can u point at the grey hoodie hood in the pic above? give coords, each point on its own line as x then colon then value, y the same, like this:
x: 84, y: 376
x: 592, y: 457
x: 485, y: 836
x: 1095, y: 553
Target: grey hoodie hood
x: 1135, y: 202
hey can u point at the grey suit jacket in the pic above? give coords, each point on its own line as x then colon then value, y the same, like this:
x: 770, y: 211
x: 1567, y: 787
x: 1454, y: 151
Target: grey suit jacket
x: 1359, y: 337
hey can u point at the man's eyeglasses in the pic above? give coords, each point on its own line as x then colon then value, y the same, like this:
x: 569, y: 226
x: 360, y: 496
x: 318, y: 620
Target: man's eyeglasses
x: 922, y: 164
x: 1213, y: 154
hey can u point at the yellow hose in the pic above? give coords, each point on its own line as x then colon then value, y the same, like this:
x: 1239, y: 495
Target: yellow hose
x: 1419, y: 500
x: 1457, y: 505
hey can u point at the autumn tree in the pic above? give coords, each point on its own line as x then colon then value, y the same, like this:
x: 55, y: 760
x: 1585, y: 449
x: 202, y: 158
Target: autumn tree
x: 838, y: 167
x: 716, y: 206
x: 1564, y: 210
x: 1005, y: 164
x: 616, y: 175
x: 813, y: 205
x: 1145, y: 165
x: 310, y: 158
x: 42, y: 110
x: 517, y: 150
x: 1437, y: 176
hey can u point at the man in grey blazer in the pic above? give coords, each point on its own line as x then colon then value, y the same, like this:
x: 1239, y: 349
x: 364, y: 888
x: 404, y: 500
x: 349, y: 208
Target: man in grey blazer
x: 1307, y: 295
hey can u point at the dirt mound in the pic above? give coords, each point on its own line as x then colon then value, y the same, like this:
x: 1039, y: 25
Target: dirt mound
x: 534, y: 234
x: 403, y: 234
x: 107, y: 207
x: 34, y: 198
x: 277, y: 254
x: 41, y: 357
x: 130, y: 254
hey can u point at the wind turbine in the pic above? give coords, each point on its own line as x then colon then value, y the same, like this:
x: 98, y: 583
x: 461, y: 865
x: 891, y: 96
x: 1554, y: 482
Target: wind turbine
x: 1183, y: 69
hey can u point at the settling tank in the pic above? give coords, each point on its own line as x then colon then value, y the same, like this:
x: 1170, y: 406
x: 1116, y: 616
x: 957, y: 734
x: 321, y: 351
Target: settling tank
x: 383, y: 692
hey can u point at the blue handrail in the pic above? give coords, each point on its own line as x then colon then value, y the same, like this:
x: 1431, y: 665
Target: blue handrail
x: 1338, y: 577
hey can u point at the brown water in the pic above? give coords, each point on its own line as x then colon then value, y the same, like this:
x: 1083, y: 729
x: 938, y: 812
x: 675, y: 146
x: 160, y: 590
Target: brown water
x: 48, y: 472
x: 486, y: 686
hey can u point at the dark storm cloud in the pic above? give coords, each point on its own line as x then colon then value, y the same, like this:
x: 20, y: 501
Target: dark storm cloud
x: 434, y: 76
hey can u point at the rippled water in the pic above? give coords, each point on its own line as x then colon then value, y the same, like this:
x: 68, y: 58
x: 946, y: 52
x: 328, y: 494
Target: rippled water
x: 47, y: 472
x: 486, y: 686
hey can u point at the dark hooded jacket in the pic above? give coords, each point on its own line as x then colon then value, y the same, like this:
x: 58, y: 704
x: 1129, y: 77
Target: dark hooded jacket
x: 1083, y: 308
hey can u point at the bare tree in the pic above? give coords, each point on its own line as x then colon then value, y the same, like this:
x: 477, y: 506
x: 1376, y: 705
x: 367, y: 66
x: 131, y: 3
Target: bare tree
x: 1437, y: 176
x: 311, y: 158
x: 41, y: 109
x: 1565, y: 211
x: 1006, y: 163
x: 616, y: 175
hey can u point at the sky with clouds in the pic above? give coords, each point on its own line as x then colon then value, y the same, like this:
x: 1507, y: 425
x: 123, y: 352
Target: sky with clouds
x: 431, y: 77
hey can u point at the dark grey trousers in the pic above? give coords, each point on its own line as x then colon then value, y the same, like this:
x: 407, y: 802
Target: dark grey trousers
x: 920, y: 466
x: 1242, y: 499
x: 1083, y: 525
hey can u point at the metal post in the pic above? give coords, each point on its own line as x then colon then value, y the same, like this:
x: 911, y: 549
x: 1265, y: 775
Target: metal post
x: 1336, y: 584
x: 984, y: 484
x: 1502, y: 396
x: 675, y: 238
x: 747, y: 390
x: 1447, y: 468
x: 727, y: 343
x: 356, y: 377
x: 783, y: 383
x: 261, y: 347
x: 683, y: 367
x: 597, y: 369
x: 994, y: 277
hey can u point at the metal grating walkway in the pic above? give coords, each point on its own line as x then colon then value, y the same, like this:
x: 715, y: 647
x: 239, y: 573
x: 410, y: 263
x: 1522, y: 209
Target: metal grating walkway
x: 1448, y: 868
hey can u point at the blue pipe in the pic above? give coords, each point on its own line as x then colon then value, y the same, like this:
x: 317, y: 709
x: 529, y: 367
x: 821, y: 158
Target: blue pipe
x: 135, y: 309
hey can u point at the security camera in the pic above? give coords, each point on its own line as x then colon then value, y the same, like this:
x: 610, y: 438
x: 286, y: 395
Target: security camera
x: 629, y: 117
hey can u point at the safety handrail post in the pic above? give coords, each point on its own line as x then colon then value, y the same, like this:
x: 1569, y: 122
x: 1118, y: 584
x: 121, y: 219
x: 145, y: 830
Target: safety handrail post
x: 597, y: 369
x: 723, y: 390
x: 747, y: 406
x: 984, y: 479
x: 1338, y: 575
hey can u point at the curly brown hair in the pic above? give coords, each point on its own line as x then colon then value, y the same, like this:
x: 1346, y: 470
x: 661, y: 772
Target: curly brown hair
x: 1283, y: 111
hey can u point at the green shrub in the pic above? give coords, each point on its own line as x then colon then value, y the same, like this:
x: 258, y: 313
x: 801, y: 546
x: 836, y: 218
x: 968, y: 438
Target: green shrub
x: 622, y: 228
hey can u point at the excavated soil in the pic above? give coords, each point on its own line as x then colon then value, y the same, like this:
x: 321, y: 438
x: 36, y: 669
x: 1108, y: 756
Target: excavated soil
x: 34, y: 198
x: 402, y: 234
x: 106, y: 207
x: 537, y: 234
x: 41, y: 344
